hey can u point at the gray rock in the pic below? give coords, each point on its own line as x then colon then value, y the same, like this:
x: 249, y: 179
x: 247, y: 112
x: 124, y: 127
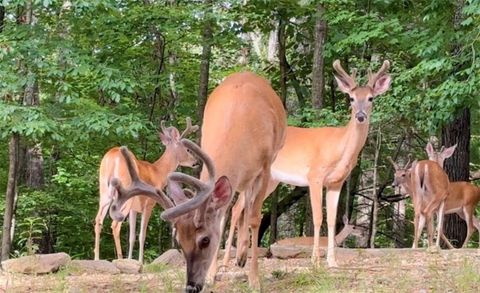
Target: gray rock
x: 128, y: 266
x: 172, y: 257
x: 262, y: 252
x: 79, y: 267
x: 37, y: 264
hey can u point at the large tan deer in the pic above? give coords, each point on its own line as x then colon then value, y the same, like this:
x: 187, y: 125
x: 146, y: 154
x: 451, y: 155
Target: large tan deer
x: 463, y: 196
x: 322, y: 157
x: 428, y: 186
x: 114, y: 165
x: 243, y: 129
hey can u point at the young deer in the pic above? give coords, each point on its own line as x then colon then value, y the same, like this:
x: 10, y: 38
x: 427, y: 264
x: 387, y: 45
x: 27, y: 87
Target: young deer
x: 243, y: 129
x: 322, y: 157
x: 347, y: 230
x: 113, y: 165
x: 428, y: 185
x: 463, y: 196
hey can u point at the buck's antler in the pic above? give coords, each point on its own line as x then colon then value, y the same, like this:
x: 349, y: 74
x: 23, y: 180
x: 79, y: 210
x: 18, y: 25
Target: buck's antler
x: 395, y: 165
x: 189, y: 129
x: 204, y: 190
x: 344, y: 76
x: 136, y: 187
x: 372, y: 78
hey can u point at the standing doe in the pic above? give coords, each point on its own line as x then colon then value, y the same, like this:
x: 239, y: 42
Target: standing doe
x: 323, y: 157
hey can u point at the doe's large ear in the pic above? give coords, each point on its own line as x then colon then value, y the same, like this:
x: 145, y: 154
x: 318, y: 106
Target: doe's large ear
x: 222, y: 194
x: 382, y: 85
x: 448, y: 152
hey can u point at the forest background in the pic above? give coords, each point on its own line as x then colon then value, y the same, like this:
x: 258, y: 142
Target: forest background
x: 80, y: 77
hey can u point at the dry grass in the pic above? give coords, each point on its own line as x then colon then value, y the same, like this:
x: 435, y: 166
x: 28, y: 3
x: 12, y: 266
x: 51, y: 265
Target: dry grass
x: 375, y: 270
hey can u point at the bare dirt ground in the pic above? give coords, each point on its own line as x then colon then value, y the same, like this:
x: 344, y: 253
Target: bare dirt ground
x: 361, y: 270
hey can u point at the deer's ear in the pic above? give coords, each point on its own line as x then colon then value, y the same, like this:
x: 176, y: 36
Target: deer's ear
x: 164, y: 138
x: 448, y: 152
x: 222, y: 194
x: 382, y: 85
x: 429, y: 149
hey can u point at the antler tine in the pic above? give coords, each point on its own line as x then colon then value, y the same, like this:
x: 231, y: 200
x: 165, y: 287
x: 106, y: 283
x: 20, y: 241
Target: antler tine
x: 204, y: 189
x: 162, y: 126
x: 372, y: 78
x: 442, y: 149
x: 189, y: 129
x: 393, y: 163
x: 344, y: 75
x: 408, y: 162
x: 137, y: 187
x: 354, y: 74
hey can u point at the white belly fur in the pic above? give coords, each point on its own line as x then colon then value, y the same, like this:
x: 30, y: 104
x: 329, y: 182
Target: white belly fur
x: 288, y: 178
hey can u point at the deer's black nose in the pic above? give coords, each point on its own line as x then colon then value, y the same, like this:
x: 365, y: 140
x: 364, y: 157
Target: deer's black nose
x: 193, y: 288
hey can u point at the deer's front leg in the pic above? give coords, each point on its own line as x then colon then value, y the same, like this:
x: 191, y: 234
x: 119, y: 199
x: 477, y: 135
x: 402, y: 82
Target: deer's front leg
x: 316, y: 199
x: 333, y: 195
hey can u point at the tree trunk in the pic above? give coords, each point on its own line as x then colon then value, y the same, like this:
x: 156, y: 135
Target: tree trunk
x: 457, y: 168
x: 283, y: 61
x: 374, y: 216
x: 207, y: 37
x: 318, y: 60
x: 10, y: 195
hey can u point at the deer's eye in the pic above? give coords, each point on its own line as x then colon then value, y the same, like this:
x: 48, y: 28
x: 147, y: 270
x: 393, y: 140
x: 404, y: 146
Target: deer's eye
x: 403, y: 175
x: 351, y: 100
x: 204, y: 242
x: 370, y: 99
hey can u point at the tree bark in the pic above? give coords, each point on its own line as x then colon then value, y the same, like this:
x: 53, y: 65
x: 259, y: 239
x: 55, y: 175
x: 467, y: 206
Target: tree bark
x: 318, y: 79
x: 10, y: 195
x: 207, y: 38
x: 283, y: 61
x: 457, y: 168
x: 374, y: 216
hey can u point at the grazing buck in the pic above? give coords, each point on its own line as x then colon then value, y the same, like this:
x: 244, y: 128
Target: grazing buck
x: 428, y: 186
x: 463, y: 196
x: 323, y: 157
x: 243, y: 129
x: 113, y: 165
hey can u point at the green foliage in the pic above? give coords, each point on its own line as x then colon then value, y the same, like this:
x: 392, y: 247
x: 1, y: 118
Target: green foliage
x: 109, y: 71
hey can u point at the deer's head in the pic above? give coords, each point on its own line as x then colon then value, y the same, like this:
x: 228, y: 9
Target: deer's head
x: 401, y: 178
x: 171, y: 137
x: 361, y: 97
x: 196, y: 215
x: 440, y: 156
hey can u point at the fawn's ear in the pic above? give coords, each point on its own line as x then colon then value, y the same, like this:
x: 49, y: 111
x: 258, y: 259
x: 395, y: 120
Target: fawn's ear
x: 222, y: 194
x: 382, y: 85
